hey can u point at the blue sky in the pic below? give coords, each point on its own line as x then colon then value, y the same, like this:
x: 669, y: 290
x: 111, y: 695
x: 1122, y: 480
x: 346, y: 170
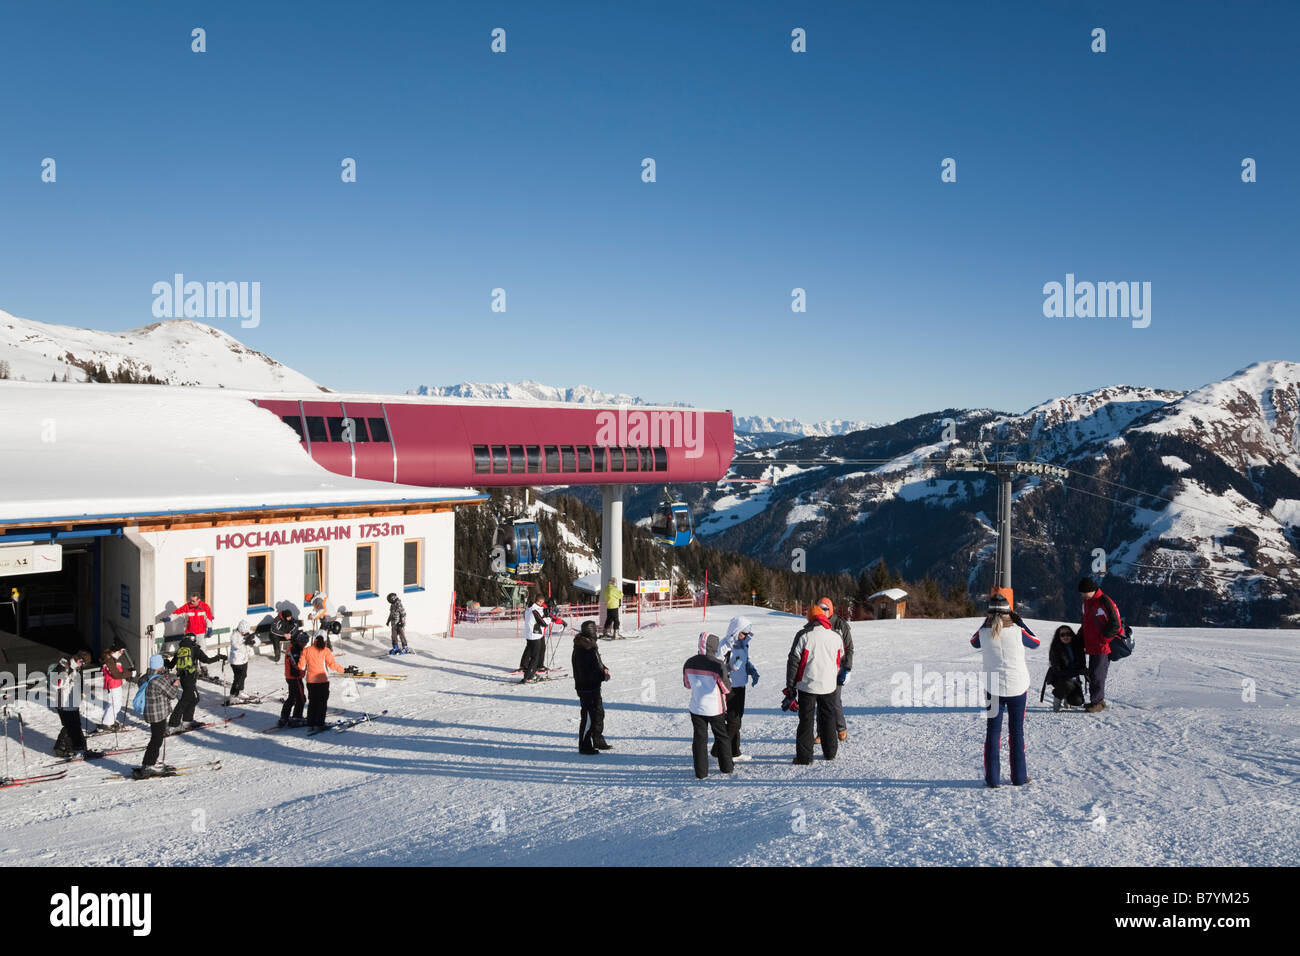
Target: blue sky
x: 775, y: 170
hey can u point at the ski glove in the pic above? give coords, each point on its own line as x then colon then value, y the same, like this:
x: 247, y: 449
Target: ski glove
x: 791, y: 702
x: 843, y: 677
x: 753, y: 675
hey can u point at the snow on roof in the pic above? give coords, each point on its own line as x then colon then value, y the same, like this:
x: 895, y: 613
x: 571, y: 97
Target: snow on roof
x: 894, y: 594
x: 77, y: 452
x: 591, y: 582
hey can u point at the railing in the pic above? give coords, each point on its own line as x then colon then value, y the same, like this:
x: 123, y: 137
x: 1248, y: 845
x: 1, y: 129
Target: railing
x: 571, y: 611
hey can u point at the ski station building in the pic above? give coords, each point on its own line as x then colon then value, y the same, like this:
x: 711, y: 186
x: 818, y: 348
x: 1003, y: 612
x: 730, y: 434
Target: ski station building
x: 119, y: 501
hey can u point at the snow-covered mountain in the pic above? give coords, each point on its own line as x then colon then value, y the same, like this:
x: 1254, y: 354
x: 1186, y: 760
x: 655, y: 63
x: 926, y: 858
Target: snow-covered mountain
x: 174, y: 352
x: 762, y: 425
x: 1191, y: 500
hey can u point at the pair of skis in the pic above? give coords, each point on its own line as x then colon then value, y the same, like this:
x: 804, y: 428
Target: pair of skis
x: 167, y: 771
x: 346, y: 722
x: 371, y: 675
x: 6, y: 782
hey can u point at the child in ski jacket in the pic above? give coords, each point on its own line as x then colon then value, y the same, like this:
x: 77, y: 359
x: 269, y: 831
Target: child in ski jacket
x: 589, y: 673
x: 707, y: 675
x: 397, y: 621
x: 735, y: 649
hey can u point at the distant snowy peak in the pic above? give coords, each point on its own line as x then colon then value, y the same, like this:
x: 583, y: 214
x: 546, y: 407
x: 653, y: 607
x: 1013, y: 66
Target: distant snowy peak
x: 527, y: 391
x: 175, y: 352
x: 758, y: 425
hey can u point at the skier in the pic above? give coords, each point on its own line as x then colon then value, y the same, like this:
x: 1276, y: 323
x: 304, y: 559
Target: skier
x: 318, y: 617
x: 186, y: 664
x: 159, y: 691
x: 735, y: 648
x: 1008, y: 688
x: 282, y: 629
x: 242, y: 643
x: 316, y: 660
x: 613, y: 599
x: 397, y: 621
x: 1101, y: 624
x: 1067, y: 666
x: 197, y: 615
x: 293, y: 676
x: 589, y: 672
x: 69, y: 685
x: 811, y: 674
x: 539, y: 619
x: 707, y: 677
x: 115, y: 675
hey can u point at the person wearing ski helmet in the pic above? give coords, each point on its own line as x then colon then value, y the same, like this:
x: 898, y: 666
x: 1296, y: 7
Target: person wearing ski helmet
x: 1002, y: 640
x: 160, y: 691
x: 589, y: 672
x: 397, y: 621
x: 539, y: 619
x: 293, y: 677
x: 242, y: 643
x: 811, y: 674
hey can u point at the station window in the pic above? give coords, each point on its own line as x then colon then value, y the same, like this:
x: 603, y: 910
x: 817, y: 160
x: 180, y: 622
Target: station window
x: 259, y: 581
x: 294, y: 422
x: 336, y: 427
x: 378, y: 430
x: 499, y: 464
x: 359, y: 427
x: 313, y: 572
x: 198, y: 578
x: 552, y: 458
x: 647, y: 460
x: 482, y: 462
x: 316, y: 428
x: 413, y: 564
x: 568, y: 458
x: 631, y: 459
x: 598, y: 459
x: 661, y: 459
x: 534, y: 459
x: 616, y: 459
x: 584, y: 458
x: 366, y: 570
x: 516, y: 459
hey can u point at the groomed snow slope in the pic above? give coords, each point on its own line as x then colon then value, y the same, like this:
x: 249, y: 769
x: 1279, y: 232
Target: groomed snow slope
x: 473, y: 770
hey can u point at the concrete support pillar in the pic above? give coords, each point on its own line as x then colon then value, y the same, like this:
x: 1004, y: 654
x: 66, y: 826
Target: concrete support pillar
x: 611, y: 536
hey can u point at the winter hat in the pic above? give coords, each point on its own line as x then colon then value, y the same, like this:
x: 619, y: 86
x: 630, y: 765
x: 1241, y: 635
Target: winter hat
x: 998, y: 604
x: 392, y: 596
x: 156, y: 662
x: 243, y: 626
x: 588, y: 629
x: 1087, y: 586
x: 823, y: 608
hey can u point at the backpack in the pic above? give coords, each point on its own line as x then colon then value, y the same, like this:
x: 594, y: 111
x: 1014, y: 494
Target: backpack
x: 1121, y: 646
x: 138, y: 701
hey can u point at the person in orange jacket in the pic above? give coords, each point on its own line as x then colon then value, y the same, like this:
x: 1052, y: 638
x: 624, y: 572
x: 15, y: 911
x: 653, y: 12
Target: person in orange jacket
x: 316, y: 659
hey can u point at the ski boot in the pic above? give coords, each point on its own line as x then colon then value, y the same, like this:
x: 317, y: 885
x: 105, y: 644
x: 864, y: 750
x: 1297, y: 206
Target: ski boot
x: 395, y: 650
x: 602, y: 744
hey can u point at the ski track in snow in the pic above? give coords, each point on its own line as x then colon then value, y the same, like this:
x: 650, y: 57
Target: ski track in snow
x: 468, y: 771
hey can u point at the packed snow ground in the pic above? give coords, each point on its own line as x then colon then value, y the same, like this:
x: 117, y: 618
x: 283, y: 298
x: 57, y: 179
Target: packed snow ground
x: 471, y: 769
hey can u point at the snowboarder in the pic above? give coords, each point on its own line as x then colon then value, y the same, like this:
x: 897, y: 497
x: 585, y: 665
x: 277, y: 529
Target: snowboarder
x: 115, y: 675
x: 1067, y: 667
x: 613, y: 600
x: 316, y: 660
x: 397, y: 621
x: 707, y: 677
x: 293, y: 676
x: 242, y: 643
x: 159, y: 692
x: 735, y: 648
x: 1101, y: 624
x: 1008, y: 688
x: 186, y: 664
x: 589, y: 672
x: 811, y: 674
x: 69, y: 685
x: 539, y: 619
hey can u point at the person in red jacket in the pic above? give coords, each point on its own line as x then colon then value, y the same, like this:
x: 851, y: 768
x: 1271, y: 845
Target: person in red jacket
x: 1100, y: 625
x: 197, y: 615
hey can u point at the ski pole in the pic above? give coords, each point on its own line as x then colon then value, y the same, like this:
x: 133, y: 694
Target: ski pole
x: 6, y: 741
x: 22, y: 739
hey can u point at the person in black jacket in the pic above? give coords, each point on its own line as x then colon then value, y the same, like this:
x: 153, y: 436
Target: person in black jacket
x: 282, y: 629
x: 186, y: 664
x: 589, y: 672
x: 1067, y: 666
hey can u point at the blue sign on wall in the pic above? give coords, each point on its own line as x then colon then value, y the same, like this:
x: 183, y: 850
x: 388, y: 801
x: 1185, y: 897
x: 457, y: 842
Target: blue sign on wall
x: 126, y: 600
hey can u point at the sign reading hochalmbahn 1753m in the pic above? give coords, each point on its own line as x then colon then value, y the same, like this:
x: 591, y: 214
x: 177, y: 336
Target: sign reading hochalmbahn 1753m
x: 30, y: 559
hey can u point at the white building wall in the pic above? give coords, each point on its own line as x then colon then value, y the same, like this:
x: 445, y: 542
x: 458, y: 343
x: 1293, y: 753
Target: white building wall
x: 428, y: 609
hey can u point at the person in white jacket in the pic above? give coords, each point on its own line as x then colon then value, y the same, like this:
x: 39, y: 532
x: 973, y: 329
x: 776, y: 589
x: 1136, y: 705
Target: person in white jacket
x: 811, y: 676
x: 707, y: 677
x: 735, y: 649
x: 1002, y: 641
x: 242, y: 643
x: 537, y: 625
